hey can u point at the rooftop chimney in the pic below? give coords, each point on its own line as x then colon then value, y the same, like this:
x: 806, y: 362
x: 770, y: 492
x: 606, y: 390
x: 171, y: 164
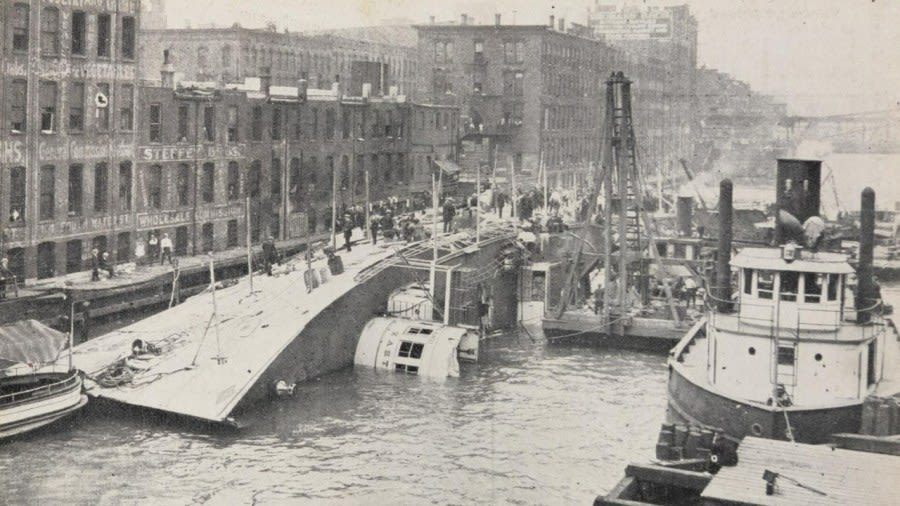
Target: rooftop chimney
x: 167, y: 72
x: 497, y: 19
x: 552, y: 21
x: 265, y: 79
x: 463, y: 19
x: 430, y: 20
x: 562, y: 24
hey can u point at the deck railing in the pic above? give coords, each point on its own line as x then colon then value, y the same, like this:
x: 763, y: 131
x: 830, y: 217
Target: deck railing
x: 42, y: 391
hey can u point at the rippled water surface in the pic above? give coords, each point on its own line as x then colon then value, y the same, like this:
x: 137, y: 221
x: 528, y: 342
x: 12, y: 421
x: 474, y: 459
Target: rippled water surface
x: 528, y: 424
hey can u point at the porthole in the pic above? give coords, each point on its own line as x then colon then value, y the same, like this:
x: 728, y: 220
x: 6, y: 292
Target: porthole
x: 818, y: 357
x: 751, y: 350
x: 756, y: 429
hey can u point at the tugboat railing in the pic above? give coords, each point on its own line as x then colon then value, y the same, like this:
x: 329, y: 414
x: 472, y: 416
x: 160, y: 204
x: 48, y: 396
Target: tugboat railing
x: 834, y: 323
x: 42, y: 391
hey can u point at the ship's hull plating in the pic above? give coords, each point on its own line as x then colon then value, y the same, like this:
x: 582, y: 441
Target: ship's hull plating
x: 689, y: 402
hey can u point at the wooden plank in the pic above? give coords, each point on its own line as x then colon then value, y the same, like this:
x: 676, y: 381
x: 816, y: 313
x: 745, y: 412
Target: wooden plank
x: 871, y: 444
x: 621, y: 494
x: 844, y: 476
x: 668, y: 476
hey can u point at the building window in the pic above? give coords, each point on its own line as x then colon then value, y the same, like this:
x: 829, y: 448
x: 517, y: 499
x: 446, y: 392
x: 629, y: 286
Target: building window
x: 126, y: 107
x: 329, y: 123
x: 79, y: 24
x: 103, y: 112
x: 346, y: 122
x: 183, y: 123
x: 295, y: 185
x: 76, y: 195
x: 275, y: 178
x: 155, y: 118
x: 125, y: 186
x: 101, y: 185
x: 46, y: 260
x: 47, y: 97
x: 256, y: 123
x: 207, y: 236
x: 17, y: 196
x: 209, y: 123
x: 154, y: 187
x: 20, y: 27
x: 76, y: 107
x: 123, y: 247
x: 50, y: 31
x: 443, y: 51
x: 359, y: 177
x: 209, y: 182
x: 73, y: 255
x: 183, y: 184
x: 18, y: 105
x: 232, y: 234
x: 202, y: 57
x: 128, y: 36
x: 232, y: 123
x: 103, y: 33
x: 48, y: 192
x: 234, y: 180
x: 479, y: 50
x: 514, y: 52
x: 226, y: 56
x: 253, y: 178
x: 315, y: 123
x: 513, y: 83
x: 276, y: 123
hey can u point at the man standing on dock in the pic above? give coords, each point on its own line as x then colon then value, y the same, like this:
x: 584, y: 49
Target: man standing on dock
x: 153, y: 248
x: 95, y: 265
x: 348, y: 230
x: 270, y: 254
x: 166, y: 244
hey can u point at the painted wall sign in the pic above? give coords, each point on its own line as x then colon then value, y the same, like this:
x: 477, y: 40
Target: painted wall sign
x: 123, y: 6
x: 188, y: 153
x: 183, y: 216
x: 59, y: 69
x: 81, y: 149
x: 76, y: 226
x: 12, y: 152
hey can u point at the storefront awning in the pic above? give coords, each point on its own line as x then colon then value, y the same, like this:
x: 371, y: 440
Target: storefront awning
x: 448, y: 167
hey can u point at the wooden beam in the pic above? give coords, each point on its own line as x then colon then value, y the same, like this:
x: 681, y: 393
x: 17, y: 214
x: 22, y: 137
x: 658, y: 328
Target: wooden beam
x: 692, y: 480
x: 871, y: 444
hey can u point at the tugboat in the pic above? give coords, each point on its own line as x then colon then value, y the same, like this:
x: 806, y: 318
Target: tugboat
x: 794, y: 348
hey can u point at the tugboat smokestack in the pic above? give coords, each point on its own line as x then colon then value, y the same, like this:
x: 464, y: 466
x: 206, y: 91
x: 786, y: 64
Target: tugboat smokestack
x: 865, y: 292
x: 723, y: 264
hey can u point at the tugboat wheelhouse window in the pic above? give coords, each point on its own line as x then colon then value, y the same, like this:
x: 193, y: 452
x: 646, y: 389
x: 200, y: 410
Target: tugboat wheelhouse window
x: 790, y: 283
x: 833, y: 283
x: 765, y: 284
x: 410, y: 350
x: 748, y: 281
x: 812, y: 287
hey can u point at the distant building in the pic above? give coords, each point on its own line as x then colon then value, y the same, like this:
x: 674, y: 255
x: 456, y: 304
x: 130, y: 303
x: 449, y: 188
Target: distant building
x: 527, y: 94
x: 67, y: 132
x: 660, y: 46
x: 153, y: 14
x: 225, y: 55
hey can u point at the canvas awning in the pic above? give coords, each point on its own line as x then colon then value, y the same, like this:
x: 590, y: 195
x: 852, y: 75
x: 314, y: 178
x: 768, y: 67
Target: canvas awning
x: 30, y: 342
x: 449, y: 168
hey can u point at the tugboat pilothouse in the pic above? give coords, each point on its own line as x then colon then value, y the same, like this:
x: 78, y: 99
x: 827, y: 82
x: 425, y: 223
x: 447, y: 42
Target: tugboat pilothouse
x: 794, y: 347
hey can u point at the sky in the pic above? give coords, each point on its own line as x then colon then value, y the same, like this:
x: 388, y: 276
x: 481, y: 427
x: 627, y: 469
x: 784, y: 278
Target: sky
x: 821, y: 57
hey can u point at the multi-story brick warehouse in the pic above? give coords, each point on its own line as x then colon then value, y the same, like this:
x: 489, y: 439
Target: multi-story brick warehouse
x: 534, y: 93
x: 67, y: 142
x: 231, y: 54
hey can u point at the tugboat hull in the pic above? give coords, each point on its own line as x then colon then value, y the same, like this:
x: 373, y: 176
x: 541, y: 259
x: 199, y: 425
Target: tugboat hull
x: 693, y: 404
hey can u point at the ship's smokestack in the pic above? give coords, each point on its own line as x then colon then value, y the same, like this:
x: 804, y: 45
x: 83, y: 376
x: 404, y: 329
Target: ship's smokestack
x: 683, y: 212
x: 865, y: 291
x: 723, y: 263
x: 797, y: 193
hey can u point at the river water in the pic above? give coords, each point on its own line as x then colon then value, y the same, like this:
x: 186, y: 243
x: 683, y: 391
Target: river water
x: 529, y: 423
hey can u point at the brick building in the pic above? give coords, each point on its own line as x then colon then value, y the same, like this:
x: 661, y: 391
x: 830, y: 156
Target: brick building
x: 525, y: 93
x: 67, y: 142
x: 660, y: 48
x: 232, y: 54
